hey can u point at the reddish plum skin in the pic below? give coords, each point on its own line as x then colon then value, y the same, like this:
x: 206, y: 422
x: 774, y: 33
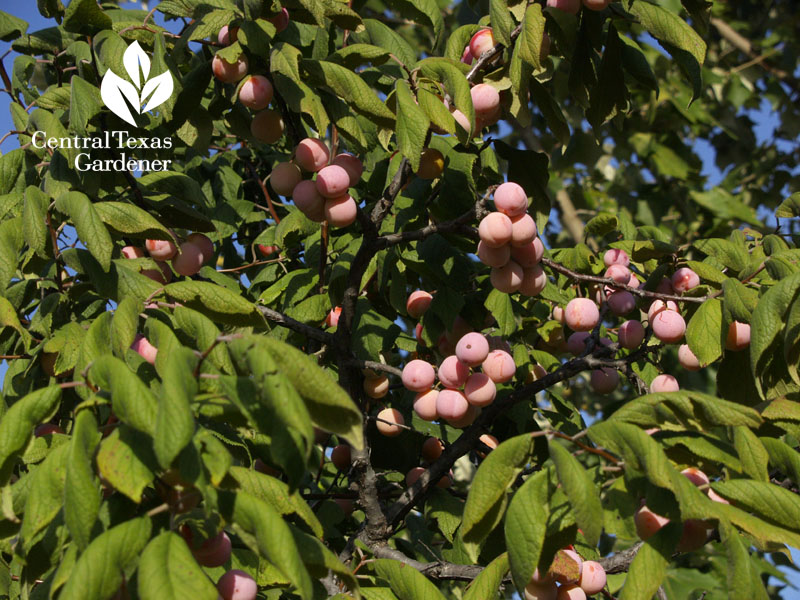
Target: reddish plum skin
x: 332, y: 320
x: 604, y: 381
x: 616, y: 256
x: 340, y: 457
x: 596, y: 4
x: 309, y: 201
x: 684, y: 279
x: 631, y: 334
x: 376, y: 387
x: 541, y: 591
x: 285, y: 177
x: 481, y: 42
x: 395, y: 418
x: 687, y: 358
x: 332, y: 181
x: 523, y: 230
x: 485, y: 100
x: 507, y: 278
x: 451, y: 405
x: 493, y: 257
x: 581, y: 314
x: 669, y: 326
x: 488, y: 440
x: 495, y: 229
x: 453, y: 373
x: 237, y: 585
x: 570, y: 592
x: 418, y: 303
x: 144, y: 349
x: 621, y: 303
x: 618, y: 273
x: 256, y: 92
x: 593, y: 577
x: 658, y: 306
x: 510, y: 199
x: 281, y: 20
x: 227, y: 35
x: 695, y: 475
x: 267, y: 126
x: 189, y: 259
x: 341, y: 211
x: 311, y: 154
x: 664, y: 383
x: 160, y: 249
x: 530, y: 255
x: 472, y: 349
x: 425, y: 405
x: 576, y: 343
x: 480, y: 390
x: 132, y: 252
x: 499, y: 366
x: 418, y: 376
x: 648, y: 523
x: 205, y: 245
x: 227, y: 72
x: 738, y: 337
x: 214, y: 552
x: 350, y: 163
x: 432, y: 449
x: 534, y: 280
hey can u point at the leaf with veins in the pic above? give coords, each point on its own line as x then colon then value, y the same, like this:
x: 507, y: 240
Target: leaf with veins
x: 133, y: 58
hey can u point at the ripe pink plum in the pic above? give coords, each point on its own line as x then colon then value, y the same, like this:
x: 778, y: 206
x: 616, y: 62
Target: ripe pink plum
x: 144, y: 348
x: 418, y: 334
x: 618, y: 273
x: 413, y: 475
x: 376, y: 387
x: 495, y: 229
x: 615, y: 256
x: 669, y: 326
x: 570, y: 592
x: 133, y: 252
x: 738, y: 337
x: 510, y: 199
x: 267, y: 251
x: 631, y: 334
x: 214, y: 552
x: 664, y: 383
x: 494, y: 257
x: 351, y: 164
x: 237, y: 585
x: 418, y: 376
x: 687, y: 358
x: 451, y: 405
x: 189, y: 259
x: 634, y: 281
x: 227, y: 72
x: 432, y: 449
x: 694, y: 537
x: 204, y: 243
x: 684, y: 279
x: 332, y: 181
x: 534, y: 280
x: 340, y: 457
x: 311, y: 154
x: 596, y: 4
x: 507, y: 278
x: 530, y: 255
x: 160, y: 249
x: 341, y: 211
x: 621, y: 302
x: 466, y: 56
x: 695, y: 475
x: 481, y: 42
x: 418, y: 303
x: 480, y: 390
x: 47, y: 429
x: 558, y: 314
x: 460, y: 118
x: 604, y: 381
x: 468, y: 418
x: 714, y: 496
x: 162, y: 275
x: 256, y: 92
x: 665, y: 287
x: 593, y: 577
x: 332, y: 320
x: 227, y: 35
x: 284, y: 177
x: 499, y: 366
x: 425, y: 405
x: 485, y: 100
x: 347, y: 506
x: 541, y: 591
x: 581, y: 314
x: 659, y: 305
x: 487, y: 440
x: 281, y: 20
x: 452, y: 372
x: 648, y: 523
x: 472, y: 349
x: 267, y: 126
x: 523, y: 230
x: 390, y: 421
x: 576, y: 343
x: 309, y: 201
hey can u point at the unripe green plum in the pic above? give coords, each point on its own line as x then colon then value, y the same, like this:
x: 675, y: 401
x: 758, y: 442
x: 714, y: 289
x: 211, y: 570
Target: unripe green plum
x: 144, y: 348
x: 267, y: 126
x: 341, y: 211
x: 534, y: 280
x: 332, y: 181
x: 311, y: 154
x: 499, y: 366
x: 227, y: 72
x: 523, y: 230
x: 451, y: 405
x: 664, y: 383
x: 237, y: 585
x: 431, y: 164
x: 615, y: 256
x: 581, y: 314
x: 684, y: 279
x: 604, y: 380
x: 631, y: 334
x: 472, y: 349
x: 281, y: 20
x: 351, y: 164
x: 432, y: 449
x: 284, y: 178
x: 425, y: 405
x: 160, y: 249
x: 593, y: 577
x: 340, y: 457
x: 309, y: 201
x: 507, y: 278
x: 452, y: 372
x: 668, y: 326
x: 510, y: 199
x: 376, y: 387
x: 687, y: 358
x: 390, y: 421
x: 494, y: 257
x: 648, y: 523
x: 541, y: 591
x: 738, y: 337
x: 481, y: 42
x: 529, y: 255
x: 480, y: 390
x: 485, y: 100
x: 256, y: 92
x: 621, y: 302
x: 418, y: 303
x: 618, y: 273
x: 205, y: 245
x: 418, y: 376
x: 189, y: 259
x: 570, y: 592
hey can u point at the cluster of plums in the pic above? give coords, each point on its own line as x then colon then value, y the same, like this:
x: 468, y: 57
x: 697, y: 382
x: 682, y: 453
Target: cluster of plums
x: 325, y: 197
x: 591, y: 580
x: 256, y: 91
x: 509, y: 243
x: 187, y: 259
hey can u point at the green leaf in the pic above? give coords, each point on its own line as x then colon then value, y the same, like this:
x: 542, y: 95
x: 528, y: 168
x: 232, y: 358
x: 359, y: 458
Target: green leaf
x: 101, y: 569
x: 530, y: 37
x: 635, y: 62
x: 526, y: 526
x: 355, y: 55
x: 752, y: 453
x: 54, y: 98
x: 769, y: 501
x: 486, y: 584
x: 550, y: 109
x: 19, y: 421
x: 11, y: 27
x: 580, y: 490
x: 85, y: 103
x: 168, y: 571
x: 382, y: 36
x: 124, y: 325
x: 34, y: 213
x: 502, y: 22
x: 499, y: 306
x: 790, y: 207
x: 131, y: 399
x: 609, y: 96
x: 45, y: 497
x: 488, y: 495
x: 406, y: 582
x: 81, y: 491
x: 704, y: 332
x: 10, y: 245
x: 125, y: 459
x: 11, y: 164
x: 285, y: 68
x: 175, y: 184
x: 649, y: 567
x: 85, y: 17
x: 739, y: 301
x: 91, y: 230
x: 412, y: 124
x: 783, y: 457
x: 317, y: 555
x: 725, y: 251
x: 423, y: 10
x: 743, y: 581
x: 131, y: 220
x: 9, y: 318
x: 175, y: 422
x: 216, y: 302
x: 455, y: 82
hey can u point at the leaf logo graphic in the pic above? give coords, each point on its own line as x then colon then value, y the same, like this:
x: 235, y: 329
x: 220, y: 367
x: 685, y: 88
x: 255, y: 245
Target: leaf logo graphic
x: 150, y: 92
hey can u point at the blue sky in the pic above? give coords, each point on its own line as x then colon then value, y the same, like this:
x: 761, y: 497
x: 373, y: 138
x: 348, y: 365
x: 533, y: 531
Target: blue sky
x: 765, y: 121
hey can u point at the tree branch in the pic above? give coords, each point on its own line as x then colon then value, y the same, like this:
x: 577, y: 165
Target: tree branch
x: 307, y: 330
